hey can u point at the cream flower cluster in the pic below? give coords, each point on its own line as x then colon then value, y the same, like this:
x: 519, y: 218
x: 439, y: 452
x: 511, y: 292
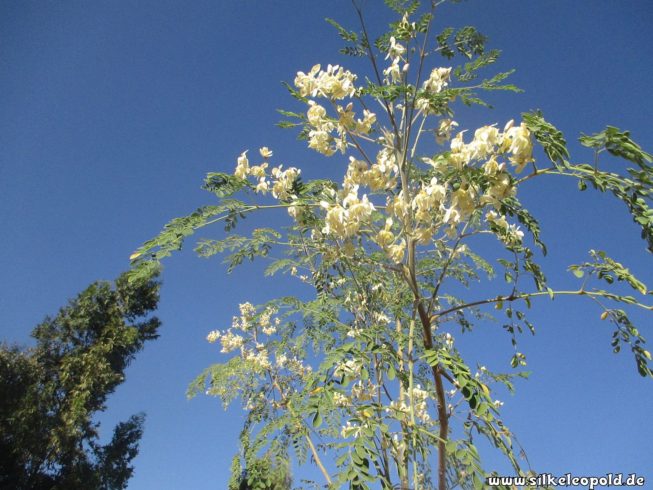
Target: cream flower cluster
x: 489, y: 141
x: 258, y: 357
x: 386, y: 239
x: 343, y: 220
x: 244, y: 321
x: 500, y: 183
x: 320, y: 137
x: 508, y: 233
x: 436, y: 82
x: 268, y: 327
x: 363, y: 391
x: 396, y: 51
x: 429, y: 204
x: 347, y: 120
x: 322, y: 129
x: 213, y: 336
x: 434, y: 203
x: 517, y: 140
x: 292, y: 364
x: 340, y: 400
x: 350, y: 368
x: 245, y: 333
x: 381, y: 175
x: 350, y: 430
x: 420, y: 398
x: 443, y: 133
x: 333, y: 83
x: 231, y: 341
x: 282, y: 180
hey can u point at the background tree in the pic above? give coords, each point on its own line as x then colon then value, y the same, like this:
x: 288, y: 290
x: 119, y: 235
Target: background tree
x: 368, y: 370
x: 49, y: 394
x: 269, y: 472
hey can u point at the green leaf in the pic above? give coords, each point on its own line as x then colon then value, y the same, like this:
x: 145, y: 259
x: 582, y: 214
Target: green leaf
x: 392, y: 373
x: 346, y: 35
x: 224, y: 185
x: 551, y: 139
x: 317, y: 419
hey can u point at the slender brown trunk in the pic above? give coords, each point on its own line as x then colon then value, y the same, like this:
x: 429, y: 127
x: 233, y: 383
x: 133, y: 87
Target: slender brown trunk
x: 443, y: 418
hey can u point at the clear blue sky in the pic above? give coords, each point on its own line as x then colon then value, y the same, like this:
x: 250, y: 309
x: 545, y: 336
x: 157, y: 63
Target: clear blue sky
x: 112, y: 112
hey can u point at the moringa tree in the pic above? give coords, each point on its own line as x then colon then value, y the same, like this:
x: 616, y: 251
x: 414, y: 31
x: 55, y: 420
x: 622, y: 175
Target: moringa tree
x: 365, y: 376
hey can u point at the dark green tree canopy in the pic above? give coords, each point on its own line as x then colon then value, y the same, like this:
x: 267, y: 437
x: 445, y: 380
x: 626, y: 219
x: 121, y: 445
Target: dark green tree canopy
x: 50, y: 393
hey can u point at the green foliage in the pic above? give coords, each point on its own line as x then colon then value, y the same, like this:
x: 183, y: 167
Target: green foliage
x: 552, y: 140
x: 467, y: 41
x: 224, y: 185
x: 265, y: 473
x: 467, y: 72
x: 403, y: 6
x: 619, y: 144
x: 608, y: 270
x: 258, y: 245
x: 49, y: 394
x: 147, y: 258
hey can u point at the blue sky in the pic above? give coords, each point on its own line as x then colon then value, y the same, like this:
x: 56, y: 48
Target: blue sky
x: 113, y: 112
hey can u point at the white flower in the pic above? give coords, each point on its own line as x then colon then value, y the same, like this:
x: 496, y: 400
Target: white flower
x: 321, y: 141
x: 485, y: 140
x: 443, y: 133
x: 258, y: 171
x: 269, y: 330
x: 461, y: 154
x: 281, y: 360
x: 492, y: 167
x: 349, y: 368
x: 510, y: 234
x: 393, y: 72
x: 364, y: 126
x: 213, y: 336
x: 307, y: 83
x: 259, y: 358
x: 350, y: 430
x: 242, y: 166
x: 262, y: 186
x: 316, y: 114
x: 247, y: 310
x: 264, y: 319
x: 395, y: 49
x: 340, y: 400
x: 363, y: 392
x: 265, y: 152
x: 284, y: 182
x: 334, y: 83
x: 231, y: 341
x: 396, y: 251
x: 517, y: 140
x: 438, y: 79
